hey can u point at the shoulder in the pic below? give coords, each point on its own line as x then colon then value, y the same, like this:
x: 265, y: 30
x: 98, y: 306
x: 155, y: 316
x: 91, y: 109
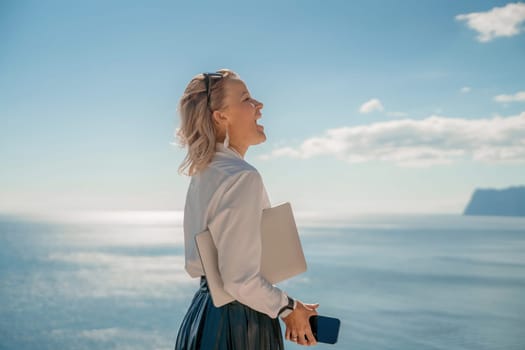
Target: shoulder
x: 228, y: 169
x: 230, y: 166
x: 245, y: 182
x: 223, y: 173
x: 243, y: 190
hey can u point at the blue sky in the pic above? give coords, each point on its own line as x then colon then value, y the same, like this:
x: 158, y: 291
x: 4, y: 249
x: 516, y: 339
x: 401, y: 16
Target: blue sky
x: 370, y: 106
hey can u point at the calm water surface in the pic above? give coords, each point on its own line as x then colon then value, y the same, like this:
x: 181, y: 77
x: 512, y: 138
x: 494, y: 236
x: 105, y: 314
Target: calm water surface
x: 117, y: 281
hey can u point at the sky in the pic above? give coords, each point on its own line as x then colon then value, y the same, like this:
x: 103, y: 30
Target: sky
x: 369, y: 106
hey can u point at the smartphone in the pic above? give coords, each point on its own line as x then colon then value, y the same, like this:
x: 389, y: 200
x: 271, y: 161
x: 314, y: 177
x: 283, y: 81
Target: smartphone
x: 325, y: 329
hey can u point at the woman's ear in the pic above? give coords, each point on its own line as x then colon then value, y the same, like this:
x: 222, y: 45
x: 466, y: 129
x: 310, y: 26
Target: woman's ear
x: 219, y: 118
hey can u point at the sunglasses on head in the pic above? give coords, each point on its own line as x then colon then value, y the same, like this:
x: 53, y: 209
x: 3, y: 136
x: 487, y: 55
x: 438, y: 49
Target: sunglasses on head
x: 207, y: 77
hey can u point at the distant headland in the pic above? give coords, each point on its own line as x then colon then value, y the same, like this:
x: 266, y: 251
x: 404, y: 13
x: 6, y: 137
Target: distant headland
x: 502, y: 202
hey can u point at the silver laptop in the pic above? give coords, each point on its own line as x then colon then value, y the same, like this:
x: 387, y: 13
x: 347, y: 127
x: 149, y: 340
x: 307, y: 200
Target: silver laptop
x: 282, y: 255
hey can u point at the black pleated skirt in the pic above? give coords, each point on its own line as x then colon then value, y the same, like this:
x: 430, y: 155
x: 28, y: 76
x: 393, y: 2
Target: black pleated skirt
x: 233, y: 326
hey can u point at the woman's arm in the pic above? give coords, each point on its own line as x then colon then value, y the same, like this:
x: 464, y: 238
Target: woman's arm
x: 236, y: 232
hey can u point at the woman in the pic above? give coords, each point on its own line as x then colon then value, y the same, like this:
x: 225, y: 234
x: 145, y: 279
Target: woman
x: 226, y: 195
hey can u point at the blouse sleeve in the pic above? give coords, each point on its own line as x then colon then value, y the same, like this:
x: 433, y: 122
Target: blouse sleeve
x: 235, y: 229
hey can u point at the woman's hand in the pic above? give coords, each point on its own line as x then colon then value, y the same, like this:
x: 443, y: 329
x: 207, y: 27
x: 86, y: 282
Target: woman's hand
x: 298, y: 324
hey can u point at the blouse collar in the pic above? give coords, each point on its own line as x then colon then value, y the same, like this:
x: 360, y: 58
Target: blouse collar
x: 219, y: 146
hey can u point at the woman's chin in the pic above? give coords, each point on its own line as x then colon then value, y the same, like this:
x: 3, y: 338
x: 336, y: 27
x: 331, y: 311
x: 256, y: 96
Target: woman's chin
x: 261, y: 136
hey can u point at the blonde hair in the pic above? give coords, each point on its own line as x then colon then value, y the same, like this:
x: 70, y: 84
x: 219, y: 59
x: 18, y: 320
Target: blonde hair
x: 197, y: 129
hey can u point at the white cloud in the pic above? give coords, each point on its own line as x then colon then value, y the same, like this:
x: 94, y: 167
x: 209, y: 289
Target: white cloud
x: 499, y: 21
x: 465, y: 89
x: 370, y: 106
x: 418, y: 143
x: 517, y: 97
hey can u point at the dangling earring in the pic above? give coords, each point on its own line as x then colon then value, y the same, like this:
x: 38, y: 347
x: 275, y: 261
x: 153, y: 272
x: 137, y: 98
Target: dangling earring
x: 226, y: 138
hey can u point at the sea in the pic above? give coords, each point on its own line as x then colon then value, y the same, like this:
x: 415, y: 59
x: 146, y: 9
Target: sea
x: 116, y: 280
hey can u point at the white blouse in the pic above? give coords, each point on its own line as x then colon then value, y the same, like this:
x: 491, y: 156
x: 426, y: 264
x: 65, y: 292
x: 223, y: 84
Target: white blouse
x: 228, y: 197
